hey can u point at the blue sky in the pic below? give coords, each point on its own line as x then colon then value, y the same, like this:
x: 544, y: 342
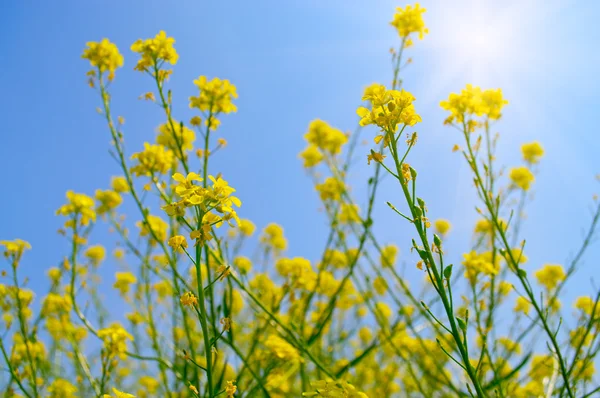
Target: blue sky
x: 294, y: 61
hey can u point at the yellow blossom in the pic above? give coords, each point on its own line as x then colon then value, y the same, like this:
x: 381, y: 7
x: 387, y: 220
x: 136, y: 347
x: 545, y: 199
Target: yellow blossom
x: 586, y: 304
x: 154, y: 159
x: 550, y: 275
x: 281, y: 349
x: 215, y: 96
x: 61, y: 388
x: 409, y: 20
x: 155, y: 227
x: 231, y: 388
x: 80, y: 207
x: 189, y: 299
x: 388, y: 255
x: 389, y: 108
x: 521, y: 177
x: 532, y: 152
x: 124, y: 280
x: 375, y: 156
x: 182, y: 139
x: 273, y: 237
x: 119, y: 184
x: 108, y: 200
x: 104, y: 56
x: 15, y: 247
x: 331, y: 189
x: 324, y: 137
x: 243, y: 264
x: 349, y: 214
x: 247, y: 227
x: 178, y: 242
x: 311, y: 156
x: 471, y: 102
x: 442, y: 226
x: 118, y: 394
x: 155, y: 50
x: 115, y: 339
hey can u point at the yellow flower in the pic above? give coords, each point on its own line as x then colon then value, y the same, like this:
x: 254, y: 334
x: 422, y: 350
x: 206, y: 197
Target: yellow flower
x: 479, y: 263
x: 80, y: 206
x: 124, y: 281
x: 15, y: 247
x: 155, y: 226
x: 472, y: 101
x: 442, y: 226
x: 585, y: 304
x: 585, y: 369
x: 108, y: 200
x: 149, y: 383
x: 532, y: 152
x: 118, y: 394
x: 115, y: 339
x: 522, y: 177
x: 388, y: 256
x: 331, y: 189
x: 410, y: 20
x: 272, y: 236
x: 383, y: 311
x: 61, y: 388
x: 119, y: 184
x: 215, y: 96
x: 509, y: 345
x: 56, y: 304
x: 375, y: 156
x: 247, y: 227
x: 389, y: 109
x: 349, y: 214
x: 380, y: 285
x: 182, y: 137
x: 178, y: 242
x: 484, y: 226
x: 580, y: 337
x: 243, y: 264
x: 324, y: 137
x: 154, y: 51
x: 154, y: 159
x: 189, y: 299
x: 522, y: 305
x: 230, y: 389
x: 281, y: 349
x: 333, y: 389
x: 103, y: 55
x: 311, y: 156
x: 550, y: 275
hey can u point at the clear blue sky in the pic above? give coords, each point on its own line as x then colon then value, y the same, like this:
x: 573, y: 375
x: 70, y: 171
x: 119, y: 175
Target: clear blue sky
x: 293, y: 61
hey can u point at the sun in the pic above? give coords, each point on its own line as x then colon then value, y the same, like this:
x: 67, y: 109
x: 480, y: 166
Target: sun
x: 485, y: 43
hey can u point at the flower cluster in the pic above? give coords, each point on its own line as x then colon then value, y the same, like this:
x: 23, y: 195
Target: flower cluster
x: 471, y: 102
x: 216, y: 96
x: 179, y: 138
x: 104, y: 56
x: 522, y: 177
x: 155, y: 51
x: 322, y: 139
x: 409, y: 20
x: 153, y: 160
x: 80, y: 207
x: 115, y: 340
x: 389, y: 109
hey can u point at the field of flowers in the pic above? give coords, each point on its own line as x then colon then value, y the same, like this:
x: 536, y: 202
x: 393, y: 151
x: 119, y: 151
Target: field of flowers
x: 206, y: 314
